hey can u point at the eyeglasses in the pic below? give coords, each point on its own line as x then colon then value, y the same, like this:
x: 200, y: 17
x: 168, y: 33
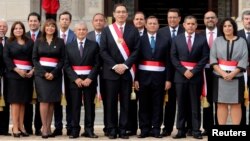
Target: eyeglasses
x: 210, y: 18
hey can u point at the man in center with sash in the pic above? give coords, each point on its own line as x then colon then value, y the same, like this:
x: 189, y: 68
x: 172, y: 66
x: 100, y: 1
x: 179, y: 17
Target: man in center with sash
x: 118, y: 49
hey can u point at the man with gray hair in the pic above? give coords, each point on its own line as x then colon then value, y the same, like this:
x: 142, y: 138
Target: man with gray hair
x: 245, y: 33
x: 81, y: 67
x: 5, y: 114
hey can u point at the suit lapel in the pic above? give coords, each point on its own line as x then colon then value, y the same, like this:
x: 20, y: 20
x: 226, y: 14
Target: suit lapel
x: 126, y: 31
x: 85, y: 50
x: 75, y: 49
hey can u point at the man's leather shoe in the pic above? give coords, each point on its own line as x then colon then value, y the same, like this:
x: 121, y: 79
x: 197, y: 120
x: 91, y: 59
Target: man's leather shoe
x: 5, y: 134
x: 73, y: 136
x: 131, y: 133
x: 189, y: 133
x: 68, y: 132
x: 143, y: 135
x: 123, y: 136
x: 197, y: 136
x: 165, y: 133
x: 57, y: 132
x: 204, y: 133
x: 156, y: 135
x: 112, y: 136
x: 179, y: 135
x: 38, y: 133
x: 89, y: 135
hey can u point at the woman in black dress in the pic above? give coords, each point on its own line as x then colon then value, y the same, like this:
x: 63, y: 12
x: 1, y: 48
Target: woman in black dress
x: 48, y: 56
x: 19, y: 75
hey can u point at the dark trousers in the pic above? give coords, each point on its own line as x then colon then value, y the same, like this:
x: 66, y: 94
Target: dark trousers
x: 103, y: 95
x: 88, y: 95
x: 28, y: 117
x: 209, y: 118
x: 69, y: 103
x: 58, y: 116
x: 151, y: 107
x: 133, y: 115
x: 170, y: 110
x: 5, y: 114
x: 113, y: 89
x: 188, y: 92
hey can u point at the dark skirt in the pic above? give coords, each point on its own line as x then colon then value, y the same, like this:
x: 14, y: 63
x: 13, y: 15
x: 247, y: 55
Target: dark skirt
x: 48, y: 90
x: 19, y: 90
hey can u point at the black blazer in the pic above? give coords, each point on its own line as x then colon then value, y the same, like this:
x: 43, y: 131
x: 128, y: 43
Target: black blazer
x: 242, y: 34
x: 90, y: 58
x: 199, y: 54
x: 165, y: 31
x: 161, y: 54
x: 55, y: 50
x: 12, y: 50
x: 38, y: 35
x: 111, y: 55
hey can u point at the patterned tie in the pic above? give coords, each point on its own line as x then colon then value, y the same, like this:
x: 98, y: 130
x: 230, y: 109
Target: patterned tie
x: 189, y: 43
x: 81, y: 48
x: 248, y: 38
x: 98, y: 37
x: 152, y: 43
x: 121, y: 29
x: 211, y: 39
x: 33, y: 36
x: 173, y: 33
x: 64, y: 37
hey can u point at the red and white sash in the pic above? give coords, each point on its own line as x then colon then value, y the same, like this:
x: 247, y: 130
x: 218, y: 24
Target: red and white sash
x: 188, y: 65
x: 48, y: 62
x: 121, y: 44
x: 152, y: 66
x: 82, y: 70
x: 24, y: 65
x: 227, y: 65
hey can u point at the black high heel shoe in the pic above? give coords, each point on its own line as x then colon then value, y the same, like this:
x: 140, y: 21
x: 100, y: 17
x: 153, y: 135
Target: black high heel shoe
x: 16, y: 135
x: 24, y: 133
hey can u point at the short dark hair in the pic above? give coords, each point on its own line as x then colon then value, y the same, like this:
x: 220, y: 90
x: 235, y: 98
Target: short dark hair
x: 247, y: 12
x: 12, y: 36
x: 152, y: 17
x: 34, y: 14
x: 99, y: 14
x: 175, y: 10
x: 120, y: 4
x: 235, y: 28
x: 65, y: 13
x: 139, y: 12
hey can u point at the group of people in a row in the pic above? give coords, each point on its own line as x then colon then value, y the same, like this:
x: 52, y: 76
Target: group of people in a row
x: 175, y: 61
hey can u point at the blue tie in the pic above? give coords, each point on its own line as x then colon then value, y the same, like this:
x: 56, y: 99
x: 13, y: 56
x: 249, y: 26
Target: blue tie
x: 81, y: 48
x: 152, y: 43
x: 173, y: 33
x: 98, y: 37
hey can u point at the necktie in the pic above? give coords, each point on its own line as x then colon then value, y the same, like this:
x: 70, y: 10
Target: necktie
x: 248, y: 38
x: 173, y: 33
x: 211, y: 39
x: 189, y: 43
x: 33, y: 36
x: 81, y: 48
x: 98, y: 37
x: 64, y: 37
x: 152, y: 43
x: 121, y: 29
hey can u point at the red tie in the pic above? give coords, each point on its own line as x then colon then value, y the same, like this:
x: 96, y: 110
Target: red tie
x: 189, y: 43
x: 64, y: 37
x: 33, y: 36
x: 211, y: 39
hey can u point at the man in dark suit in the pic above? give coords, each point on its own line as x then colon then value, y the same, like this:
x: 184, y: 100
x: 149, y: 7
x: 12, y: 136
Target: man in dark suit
x: 172, y: 30
x: 68, y: 36
x: 152, y: 78
x: 82, y: 66
x: 34, y: 20
x: 119, y: 47
x: 139, y: 22
x: 189, y: 55
x: 5, y: 114
x: 210, y: 33
x: 245, y: 33
x: 99, y: 22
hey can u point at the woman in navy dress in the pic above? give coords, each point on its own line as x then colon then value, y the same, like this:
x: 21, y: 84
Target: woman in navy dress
x: 48, y: 56
x: 19, y: 75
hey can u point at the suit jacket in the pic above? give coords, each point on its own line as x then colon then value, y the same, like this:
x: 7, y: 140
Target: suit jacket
x: 13, y: 50
x: 165, y: 31
x: 161, y: 54
x: 91, y: 36
x: 28, y: 34
x: 90, y: 57
x: 199, y: 54
x: 242, y: 34
x: 111, y: 55
x: 71, y: 37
